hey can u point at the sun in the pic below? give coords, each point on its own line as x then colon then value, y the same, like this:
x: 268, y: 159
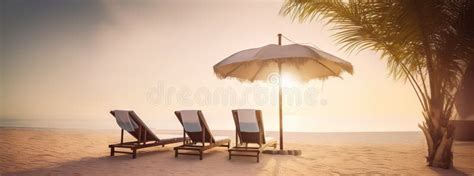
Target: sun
x: 288, y: 80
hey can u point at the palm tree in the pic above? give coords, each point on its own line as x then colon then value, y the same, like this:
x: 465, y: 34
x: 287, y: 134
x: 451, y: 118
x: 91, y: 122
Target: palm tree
x: 424, y: 43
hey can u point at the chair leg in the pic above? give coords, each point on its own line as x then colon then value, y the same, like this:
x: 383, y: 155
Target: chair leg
x: 112, y: 151
x: 134, y: 153
x: 258, y: 157
x: 200, y: 155
x: 230, y: 155
x: 175, y: 153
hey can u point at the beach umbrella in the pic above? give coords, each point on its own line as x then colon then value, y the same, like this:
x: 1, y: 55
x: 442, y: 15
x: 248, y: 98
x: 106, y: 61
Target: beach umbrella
x: 301, y: 61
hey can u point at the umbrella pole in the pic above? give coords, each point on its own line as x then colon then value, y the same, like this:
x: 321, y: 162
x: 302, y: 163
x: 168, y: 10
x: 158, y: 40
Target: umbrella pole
x: 280, y: 99
x: 280, y: 106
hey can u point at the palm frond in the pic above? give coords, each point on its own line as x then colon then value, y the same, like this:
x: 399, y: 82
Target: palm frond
x: 428, y: 43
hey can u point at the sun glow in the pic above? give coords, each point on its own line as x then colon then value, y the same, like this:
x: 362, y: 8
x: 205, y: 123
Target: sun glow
x: 288, y: 80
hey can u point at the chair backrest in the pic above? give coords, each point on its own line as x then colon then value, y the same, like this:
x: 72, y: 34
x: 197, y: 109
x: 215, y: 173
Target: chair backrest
x: 195, y: 125
x: 124, y: 121
x: 249, y: 126
x: 130, y: 122
x: 247, y: 119
x: 191, y: 122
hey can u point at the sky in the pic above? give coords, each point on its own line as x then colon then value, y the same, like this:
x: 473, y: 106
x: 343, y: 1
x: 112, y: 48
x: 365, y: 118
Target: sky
x: 66, y: 64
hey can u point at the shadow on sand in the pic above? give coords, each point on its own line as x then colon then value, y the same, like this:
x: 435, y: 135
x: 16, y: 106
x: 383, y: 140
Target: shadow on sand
x: 451, y: 171
x: 156, y: 162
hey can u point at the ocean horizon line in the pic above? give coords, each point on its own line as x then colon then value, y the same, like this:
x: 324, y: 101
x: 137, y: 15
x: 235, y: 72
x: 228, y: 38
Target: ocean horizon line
x: 216, y: 130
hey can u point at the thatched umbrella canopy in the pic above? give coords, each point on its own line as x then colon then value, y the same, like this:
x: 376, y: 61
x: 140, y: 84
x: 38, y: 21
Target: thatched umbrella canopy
x: 304, y: 62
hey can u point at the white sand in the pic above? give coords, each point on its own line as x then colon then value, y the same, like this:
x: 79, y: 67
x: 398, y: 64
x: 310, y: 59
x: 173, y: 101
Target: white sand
x: 25, y: 151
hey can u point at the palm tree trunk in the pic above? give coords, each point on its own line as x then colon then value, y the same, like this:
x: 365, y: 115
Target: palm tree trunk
x: 438, y: 129
x: 439, y: 139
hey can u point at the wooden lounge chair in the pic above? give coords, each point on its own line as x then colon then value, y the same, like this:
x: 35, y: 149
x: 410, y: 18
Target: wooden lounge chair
x: 201, y: 139
x: 130, y: 122
x: 249, y: 130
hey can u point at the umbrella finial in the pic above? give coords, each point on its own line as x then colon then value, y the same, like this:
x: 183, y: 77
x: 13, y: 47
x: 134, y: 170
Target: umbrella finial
x: 279, y: 39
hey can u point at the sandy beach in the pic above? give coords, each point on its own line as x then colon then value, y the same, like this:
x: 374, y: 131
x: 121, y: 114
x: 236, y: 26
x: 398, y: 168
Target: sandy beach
x: 345, y: 87
x: 30, y: 151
